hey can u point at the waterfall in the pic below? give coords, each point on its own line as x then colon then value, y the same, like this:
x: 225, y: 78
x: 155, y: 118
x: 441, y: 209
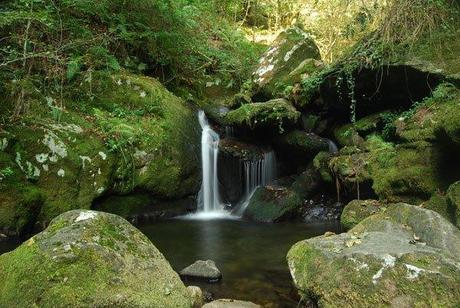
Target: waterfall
x: 209, y: 198
x: 230, y: 132
x: 332, y: 146
x: 260, y: 172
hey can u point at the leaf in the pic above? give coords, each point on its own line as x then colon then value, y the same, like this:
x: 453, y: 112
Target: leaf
x: 112, y: 62
x: 73, y: 68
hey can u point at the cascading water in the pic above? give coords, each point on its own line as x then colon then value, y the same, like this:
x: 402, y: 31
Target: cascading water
x: 257, y: 173
x: 332, y: 146
x: 209, y: 198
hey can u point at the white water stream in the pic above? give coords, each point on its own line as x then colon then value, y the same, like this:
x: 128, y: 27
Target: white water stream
x: 257, y: 173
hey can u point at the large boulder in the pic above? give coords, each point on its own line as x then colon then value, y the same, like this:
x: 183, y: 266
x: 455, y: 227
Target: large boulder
x: 123, y: 133
x: 404, y: 257
x: 89, y: 259
x: 292, y: 56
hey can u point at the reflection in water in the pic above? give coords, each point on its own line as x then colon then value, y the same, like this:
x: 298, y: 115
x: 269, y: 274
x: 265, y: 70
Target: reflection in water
x: 252, y: 257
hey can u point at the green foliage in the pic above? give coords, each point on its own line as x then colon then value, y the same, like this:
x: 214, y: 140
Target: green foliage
x: 6, y: 172
x: 50, y: 44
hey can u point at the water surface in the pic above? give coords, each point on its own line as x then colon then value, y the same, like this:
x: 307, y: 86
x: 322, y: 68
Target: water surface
x: 251, y: 256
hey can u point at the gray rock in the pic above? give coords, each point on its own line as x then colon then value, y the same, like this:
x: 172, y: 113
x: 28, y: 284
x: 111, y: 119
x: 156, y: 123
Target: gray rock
x: 405, y: 256
x: 204, y: 270
x: 230, y: 303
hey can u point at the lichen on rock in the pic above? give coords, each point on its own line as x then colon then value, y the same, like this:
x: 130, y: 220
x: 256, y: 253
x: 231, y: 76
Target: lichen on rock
x: 87, y: 258
x: 391, y: 258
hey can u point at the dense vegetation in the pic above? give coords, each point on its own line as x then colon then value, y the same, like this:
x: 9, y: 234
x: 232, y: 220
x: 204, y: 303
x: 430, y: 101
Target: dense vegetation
x: 357, y: 99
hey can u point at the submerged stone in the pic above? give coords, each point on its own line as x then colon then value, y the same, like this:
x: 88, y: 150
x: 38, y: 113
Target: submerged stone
x: 405, y: 256
x: 89, y: 259
x: 202, y: 270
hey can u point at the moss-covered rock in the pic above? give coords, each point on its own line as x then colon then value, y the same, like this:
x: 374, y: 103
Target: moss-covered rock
x: 440, y: 203
x: 354, y: 134
x: 453, y: 202
x: 118, y: 134
x: 291, y: 57
x: 404, y: 257
x: 301, y: 145
x: 273, y: 204
x: 434, y: 119
x: 275, y: 113
x: 405, y: 172
x: 89, y: 259
x: 321, y: 164
x: 358, y: 210
x: 241, y: 150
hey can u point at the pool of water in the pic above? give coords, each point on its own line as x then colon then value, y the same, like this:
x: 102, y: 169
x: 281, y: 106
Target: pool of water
x: 251, y: 256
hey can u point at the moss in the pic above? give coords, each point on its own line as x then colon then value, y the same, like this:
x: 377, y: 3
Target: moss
x: 357, y: 210
x: 435, y: 117
x: 309, y: 143
x: 273, y: 205
x: 321, y: 164
x: 354, y: 134
x: 354, y: 267
x: 292, y: 55
x: 453, y: 203
x: 444, y: 206
x: 122, y: 132
x: 62, y: 256
x: 274, y: 113
x: 404, y: 174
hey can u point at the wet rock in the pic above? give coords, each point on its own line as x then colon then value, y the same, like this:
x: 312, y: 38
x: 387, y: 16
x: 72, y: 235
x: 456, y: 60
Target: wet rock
x: 404, y: 256
x: 241, y: 150
x: 299, y: 147
x: 197, y: 296
x: 232, y: 155
x: 321, y: 212
x: 358, y: 210
x: 273, y: 204
x: 89, y: 259
x: 321, y: 164
x: 230, y: 303
x: 202, y: 270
